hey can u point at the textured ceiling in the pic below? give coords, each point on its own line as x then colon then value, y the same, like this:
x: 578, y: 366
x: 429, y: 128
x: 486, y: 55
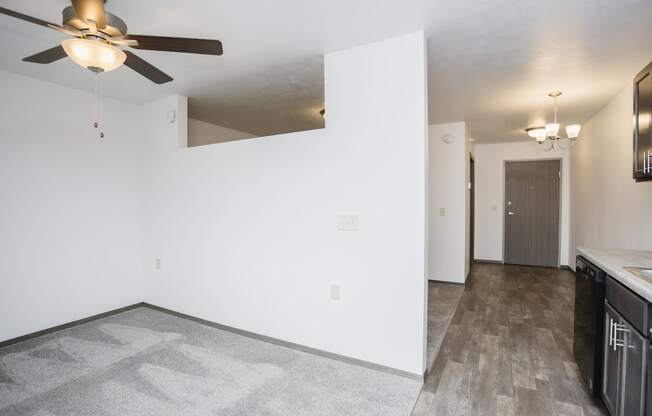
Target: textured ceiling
x: 491, y: 62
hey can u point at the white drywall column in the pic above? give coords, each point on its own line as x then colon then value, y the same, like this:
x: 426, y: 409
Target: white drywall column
x: 246, y: 230
x: 448, y: 195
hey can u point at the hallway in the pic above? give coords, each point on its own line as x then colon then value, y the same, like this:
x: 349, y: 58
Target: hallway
x: 508, y: 350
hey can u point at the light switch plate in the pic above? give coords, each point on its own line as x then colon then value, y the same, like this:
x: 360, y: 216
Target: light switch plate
x: 347, y: 222
x: 335, y: 292
x: 442, y: 212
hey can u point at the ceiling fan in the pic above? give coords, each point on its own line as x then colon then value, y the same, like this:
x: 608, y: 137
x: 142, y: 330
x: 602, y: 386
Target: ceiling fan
x: 96, y: 35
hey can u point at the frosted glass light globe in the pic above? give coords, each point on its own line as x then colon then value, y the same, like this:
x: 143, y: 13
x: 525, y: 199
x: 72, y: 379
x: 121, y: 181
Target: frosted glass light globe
x: 94, y: 55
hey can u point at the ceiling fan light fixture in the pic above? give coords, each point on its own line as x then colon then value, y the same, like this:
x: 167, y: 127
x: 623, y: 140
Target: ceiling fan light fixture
x: 536, y: 132
x: 94, y: 55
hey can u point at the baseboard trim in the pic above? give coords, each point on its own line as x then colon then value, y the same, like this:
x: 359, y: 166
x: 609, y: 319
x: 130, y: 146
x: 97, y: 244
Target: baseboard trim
x: 68, y: 325
x: 562, y: 266
x: 488, y: 261
x: 446, y: 282
x: 291, y: 345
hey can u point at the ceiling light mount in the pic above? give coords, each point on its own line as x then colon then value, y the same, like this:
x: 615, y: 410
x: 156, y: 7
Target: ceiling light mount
x: 114, y: 25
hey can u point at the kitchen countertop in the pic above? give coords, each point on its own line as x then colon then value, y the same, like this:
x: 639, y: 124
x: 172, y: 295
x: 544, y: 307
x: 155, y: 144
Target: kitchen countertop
x: 613, y: 263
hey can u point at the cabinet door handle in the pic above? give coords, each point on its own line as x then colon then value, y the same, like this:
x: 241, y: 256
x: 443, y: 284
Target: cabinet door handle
x: 620, y: 328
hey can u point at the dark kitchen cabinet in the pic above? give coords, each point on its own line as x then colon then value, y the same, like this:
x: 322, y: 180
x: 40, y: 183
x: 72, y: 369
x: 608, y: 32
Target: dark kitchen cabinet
x: 625, y: 369
x: 612, y: 363
x: 643, y: 125
x: 634, y: 374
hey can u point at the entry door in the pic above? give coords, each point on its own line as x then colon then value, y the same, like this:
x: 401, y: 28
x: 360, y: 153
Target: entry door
x: 532, y: 195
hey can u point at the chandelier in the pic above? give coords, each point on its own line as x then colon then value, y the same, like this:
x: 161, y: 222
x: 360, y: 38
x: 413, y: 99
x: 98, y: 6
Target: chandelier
x: 550, y: 133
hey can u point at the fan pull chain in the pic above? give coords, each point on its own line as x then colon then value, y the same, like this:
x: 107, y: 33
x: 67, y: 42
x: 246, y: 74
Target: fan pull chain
x: 98, y: 105
x: 101, y: 117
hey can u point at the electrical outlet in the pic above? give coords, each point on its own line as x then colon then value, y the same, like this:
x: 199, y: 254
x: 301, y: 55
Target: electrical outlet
x: 335, y: 292
x: 347, y: 222
x: 158, y: 264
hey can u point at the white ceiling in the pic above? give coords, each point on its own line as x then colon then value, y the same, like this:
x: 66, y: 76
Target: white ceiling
x: 491, y: 62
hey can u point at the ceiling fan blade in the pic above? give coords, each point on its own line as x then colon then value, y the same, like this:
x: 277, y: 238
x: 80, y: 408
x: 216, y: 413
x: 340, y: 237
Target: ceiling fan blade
x: 146, y: 69
x: 169, y: 44
x: 47, y: 56
x: 91, y: 10
x: 28, y: 18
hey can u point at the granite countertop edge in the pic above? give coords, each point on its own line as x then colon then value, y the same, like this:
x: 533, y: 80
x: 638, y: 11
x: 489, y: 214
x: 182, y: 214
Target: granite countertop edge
x: 613, y: 263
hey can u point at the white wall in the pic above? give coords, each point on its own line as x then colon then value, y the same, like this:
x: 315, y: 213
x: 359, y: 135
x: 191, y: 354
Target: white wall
x: 490, y: 194
x: 246, y: 230
x: 70, y: 210
x: 201, y: 133
x: 610, y: 210
x: 447, y: 178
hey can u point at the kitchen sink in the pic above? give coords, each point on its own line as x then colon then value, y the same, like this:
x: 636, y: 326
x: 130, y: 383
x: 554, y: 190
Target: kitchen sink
x: 643, y: 272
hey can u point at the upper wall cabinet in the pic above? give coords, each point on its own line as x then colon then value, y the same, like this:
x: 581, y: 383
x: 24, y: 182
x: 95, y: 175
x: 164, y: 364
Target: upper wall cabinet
x: 643, y: 125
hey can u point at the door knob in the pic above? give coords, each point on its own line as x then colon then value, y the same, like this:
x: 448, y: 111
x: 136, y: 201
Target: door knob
x: 510, y: 212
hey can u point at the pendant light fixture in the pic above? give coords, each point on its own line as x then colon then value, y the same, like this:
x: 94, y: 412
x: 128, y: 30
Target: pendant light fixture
x: 550, y: 132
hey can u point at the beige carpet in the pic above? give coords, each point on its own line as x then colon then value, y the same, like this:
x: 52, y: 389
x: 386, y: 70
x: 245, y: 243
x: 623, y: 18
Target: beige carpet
x: 145, y: 362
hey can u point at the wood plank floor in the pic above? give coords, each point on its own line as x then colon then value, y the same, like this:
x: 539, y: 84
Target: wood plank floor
x: 508, y: 349
x: 443, y: 299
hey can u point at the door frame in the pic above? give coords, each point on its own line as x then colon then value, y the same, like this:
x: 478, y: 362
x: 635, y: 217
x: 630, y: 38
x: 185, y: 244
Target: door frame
x: 471, y: 210
x: 561, y: 201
